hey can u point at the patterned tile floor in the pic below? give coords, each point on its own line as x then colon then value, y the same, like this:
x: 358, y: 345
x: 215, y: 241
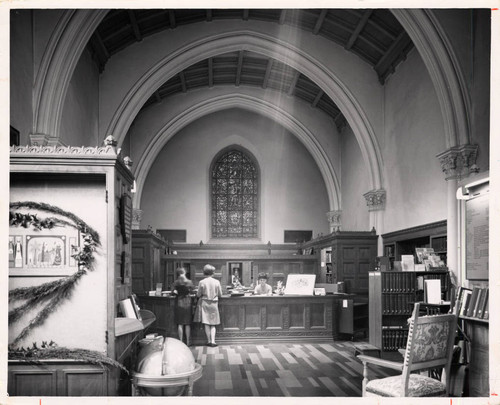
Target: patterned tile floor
x: 282, y: 370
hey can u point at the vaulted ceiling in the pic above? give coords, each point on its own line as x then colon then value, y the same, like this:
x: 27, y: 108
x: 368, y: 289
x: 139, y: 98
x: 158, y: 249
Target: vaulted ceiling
x: 375, y: 36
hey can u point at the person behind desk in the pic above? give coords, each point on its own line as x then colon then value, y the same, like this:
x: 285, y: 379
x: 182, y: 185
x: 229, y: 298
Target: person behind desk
x: 262, y: 288
x: 182, y: 289
x: 207, y: 310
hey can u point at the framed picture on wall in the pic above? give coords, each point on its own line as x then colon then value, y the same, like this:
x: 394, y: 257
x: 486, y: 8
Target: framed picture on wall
x: 47, y: 252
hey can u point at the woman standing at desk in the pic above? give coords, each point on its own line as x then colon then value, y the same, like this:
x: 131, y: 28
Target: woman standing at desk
x: 207, y: 310
x: 182, y: 289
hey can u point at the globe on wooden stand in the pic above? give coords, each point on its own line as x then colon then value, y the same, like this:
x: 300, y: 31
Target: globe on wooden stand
x: 165, y: 367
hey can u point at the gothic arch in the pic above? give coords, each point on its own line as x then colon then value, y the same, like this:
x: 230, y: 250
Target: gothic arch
x: 437, y: 53
x: 249, y: 103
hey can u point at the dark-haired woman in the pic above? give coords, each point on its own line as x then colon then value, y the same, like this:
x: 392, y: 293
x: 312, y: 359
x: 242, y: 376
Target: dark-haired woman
x: 182, y: 289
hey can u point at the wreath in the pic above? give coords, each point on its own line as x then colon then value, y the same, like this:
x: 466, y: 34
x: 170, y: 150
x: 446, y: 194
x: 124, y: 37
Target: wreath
x: 53, y: 292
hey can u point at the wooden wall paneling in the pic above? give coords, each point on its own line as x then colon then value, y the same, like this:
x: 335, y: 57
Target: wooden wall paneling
x: 31, y: 381
x: 274, y: 318
x: 318, y: 318
x: 84, y: 382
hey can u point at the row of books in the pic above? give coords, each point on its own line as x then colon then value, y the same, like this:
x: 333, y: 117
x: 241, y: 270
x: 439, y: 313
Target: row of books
x: 445, y: 281
x: 473, y: 303
x: 398, y: 282
x: 397, y: 304
x: 394, y: 339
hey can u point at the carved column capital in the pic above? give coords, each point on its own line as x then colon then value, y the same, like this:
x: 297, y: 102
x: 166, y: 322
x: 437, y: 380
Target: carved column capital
x: 45, y: 140
x: 137, y: 218
x: 375, y: 199
x: 458, y: 162
x: 334, y: 220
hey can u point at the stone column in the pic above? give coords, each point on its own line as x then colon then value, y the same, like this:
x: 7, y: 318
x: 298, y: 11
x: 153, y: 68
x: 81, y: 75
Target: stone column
x: 457, y: 163
x: 137, y: 218
x: 375, y: 200
x: 334, y: 220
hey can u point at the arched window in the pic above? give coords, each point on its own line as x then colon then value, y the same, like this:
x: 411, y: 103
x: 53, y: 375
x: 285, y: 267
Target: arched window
x: 235, y: 196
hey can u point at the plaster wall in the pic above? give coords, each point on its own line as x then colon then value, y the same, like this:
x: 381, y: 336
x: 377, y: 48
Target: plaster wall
x: 68, y: 326
x: 293, y: 194
x: 80, y: 116
x: 21, y: 73
x: 355, y: 182
x: 415, y: 185
x: 136, y: 62
x: 151, y: 122
x: 468, y: 32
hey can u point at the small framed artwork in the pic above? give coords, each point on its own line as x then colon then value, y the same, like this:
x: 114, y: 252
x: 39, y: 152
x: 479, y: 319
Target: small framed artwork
x: 300, y: 284
x: 47, y: 252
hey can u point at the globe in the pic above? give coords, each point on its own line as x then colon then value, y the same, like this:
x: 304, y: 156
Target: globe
x: 169, y: 359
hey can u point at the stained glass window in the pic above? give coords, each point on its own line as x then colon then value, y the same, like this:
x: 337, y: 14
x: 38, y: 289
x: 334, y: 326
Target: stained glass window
x: 235, y: 191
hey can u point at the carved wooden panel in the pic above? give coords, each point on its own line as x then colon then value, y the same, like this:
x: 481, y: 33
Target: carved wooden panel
x: 274, y: 319
x: 231, y: 317
x: 297, y: 316
x: 318, y: 319
x: 252, y: 317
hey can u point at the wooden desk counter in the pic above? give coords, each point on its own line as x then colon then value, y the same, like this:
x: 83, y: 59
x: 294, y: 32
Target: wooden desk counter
x: 259, y: 318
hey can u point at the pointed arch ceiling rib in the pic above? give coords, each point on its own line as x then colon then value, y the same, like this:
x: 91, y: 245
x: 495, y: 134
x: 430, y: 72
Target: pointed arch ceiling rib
x: 77, y: 27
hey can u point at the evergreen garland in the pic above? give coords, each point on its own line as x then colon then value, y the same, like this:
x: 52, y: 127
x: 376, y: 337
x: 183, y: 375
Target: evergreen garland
x: 57, y: 291
x: 50, y: 350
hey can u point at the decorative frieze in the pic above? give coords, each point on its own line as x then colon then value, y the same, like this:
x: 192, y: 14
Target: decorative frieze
x: 137, y: 218
x: 458, y: 162
x: 45, y: 140
x: 62, y: 150
x: 334, y: 220
x: 375, y: 199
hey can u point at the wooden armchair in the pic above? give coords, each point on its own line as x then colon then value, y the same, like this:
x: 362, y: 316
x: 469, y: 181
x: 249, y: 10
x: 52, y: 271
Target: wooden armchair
x: 429, y: 346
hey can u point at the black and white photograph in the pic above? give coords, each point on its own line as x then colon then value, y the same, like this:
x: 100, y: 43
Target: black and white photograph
x: 165, y: 157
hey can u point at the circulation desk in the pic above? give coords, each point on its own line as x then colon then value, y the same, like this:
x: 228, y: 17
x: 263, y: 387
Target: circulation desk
x: 258, y: 318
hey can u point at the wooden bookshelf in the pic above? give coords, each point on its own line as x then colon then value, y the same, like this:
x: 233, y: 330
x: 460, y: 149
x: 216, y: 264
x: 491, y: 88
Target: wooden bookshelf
x: 392, y: 295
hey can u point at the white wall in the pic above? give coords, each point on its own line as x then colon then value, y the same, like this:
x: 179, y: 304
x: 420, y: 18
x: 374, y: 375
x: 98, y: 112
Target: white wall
x: 68, y: 326
x: 415, y: 184
x: 79, y: 124
x: 293, y: 194
x: 355, y: 183
x: 21, y: 73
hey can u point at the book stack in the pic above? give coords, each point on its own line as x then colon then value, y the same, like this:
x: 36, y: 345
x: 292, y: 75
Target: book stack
x: 473, y: 303
x: 394, y: 337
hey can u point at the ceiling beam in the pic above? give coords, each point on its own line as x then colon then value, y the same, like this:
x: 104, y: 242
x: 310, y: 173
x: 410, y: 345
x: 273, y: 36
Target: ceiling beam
x: 268, y: 73
x: 361, y: 24
x: 245, y: 14
x: 209, y: 15
x: 183, y: 82
x: 397, y: 48
x: 373, y: 23
x: 171, y: 19
x: 317, y: 98
x: 210, y: 72
x: 293, y: 84
x: 238, y: 68
x: 282, y: 17
x: 101, y: 45
x: 135, y: 26
x: 319, y: 21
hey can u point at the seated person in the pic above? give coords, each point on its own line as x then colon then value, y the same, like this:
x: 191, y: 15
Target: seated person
x: 262, y: 288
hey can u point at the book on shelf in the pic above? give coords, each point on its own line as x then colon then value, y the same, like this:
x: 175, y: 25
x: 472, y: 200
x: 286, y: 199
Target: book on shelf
x: 127, y: 308
x: 466, y: 295
x: 472, y: 302
x: 407, y: 263
x: 486, y: 314
x: 432, y: 291
x: 397, y: 265
x: 478, y: 311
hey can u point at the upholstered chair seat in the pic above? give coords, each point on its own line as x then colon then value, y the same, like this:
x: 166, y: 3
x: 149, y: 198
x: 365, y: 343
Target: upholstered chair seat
x: 418, y: 386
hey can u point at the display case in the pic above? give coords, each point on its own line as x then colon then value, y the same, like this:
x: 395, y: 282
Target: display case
x: 74, y: 205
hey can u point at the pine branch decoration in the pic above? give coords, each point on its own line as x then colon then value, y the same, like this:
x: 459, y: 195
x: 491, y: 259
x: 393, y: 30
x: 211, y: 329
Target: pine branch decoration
x: 56, y: 292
